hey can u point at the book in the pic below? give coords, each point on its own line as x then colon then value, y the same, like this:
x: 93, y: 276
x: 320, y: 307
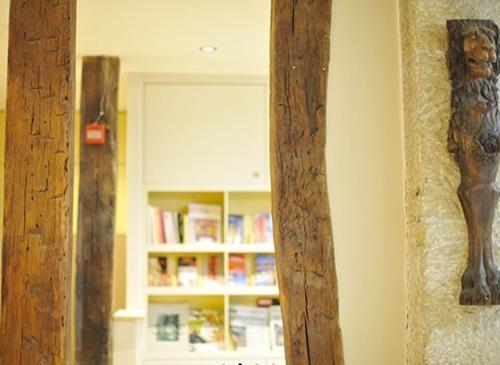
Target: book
x: 157, y: 271
x: 206, y: 330
x: 168, y: 327
x: 265, y: 270
x: 235, y: 234
x: 237, y: 270
x: 156, y: 233
x: 248, y: 228
x: 212, y: 273
x: 187, y: 272
x: 263, y: 228
x: 276, y: 328
x: 204, y: 223
x: 249, y: 327
x: 171, y: 227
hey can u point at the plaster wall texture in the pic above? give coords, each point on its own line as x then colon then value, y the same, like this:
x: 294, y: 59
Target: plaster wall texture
x: 439, y: 330
x: 364, y: 158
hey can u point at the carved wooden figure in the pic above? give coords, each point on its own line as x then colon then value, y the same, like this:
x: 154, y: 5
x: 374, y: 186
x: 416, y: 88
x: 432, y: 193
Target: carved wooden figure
x: 474, y: 140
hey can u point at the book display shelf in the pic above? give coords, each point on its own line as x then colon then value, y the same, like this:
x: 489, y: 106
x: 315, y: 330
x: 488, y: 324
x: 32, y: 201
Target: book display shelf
x: 235, y: 280
x: 201, y: 286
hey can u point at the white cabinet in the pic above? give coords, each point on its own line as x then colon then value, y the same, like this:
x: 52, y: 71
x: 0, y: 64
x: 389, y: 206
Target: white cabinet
x: 205, y: 134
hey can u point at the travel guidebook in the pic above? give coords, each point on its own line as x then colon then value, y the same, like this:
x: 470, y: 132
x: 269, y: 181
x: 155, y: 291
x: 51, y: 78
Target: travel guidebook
x: 249, y: 327
x: 187, y: 272
x: 204, y: 223
x: 157, y: 271
x: 263, y: 228
x: 168, y: 327
x: 235, y: 229
x: 237, y: 270
x: 265, y: 270
x: 206, y: 330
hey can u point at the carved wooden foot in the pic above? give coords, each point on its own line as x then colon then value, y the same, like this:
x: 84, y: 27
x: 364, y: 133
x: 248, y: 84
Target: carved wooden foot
x: 475, y: 290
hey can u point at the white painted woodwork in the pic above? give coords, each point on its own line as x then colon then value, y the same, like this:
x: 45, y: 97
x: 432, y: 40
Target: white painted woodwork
x: 205, y: 134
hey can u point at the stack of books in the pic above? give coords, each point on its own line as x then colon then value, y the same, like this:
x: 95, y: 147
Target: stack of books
x: 201, y: 224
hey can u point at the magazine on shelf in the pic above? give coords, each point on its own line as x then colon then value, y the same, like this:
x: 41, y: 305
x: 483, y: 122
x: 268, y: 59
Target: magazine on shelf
x: 206, y: 330
x: 168, y: 327
x: 187, y: 272
x: 248, y: 228
x: 249, y: 327
x: 204, y: 223
x: 213, y: 271
x: 235, y: 230
x: 265, y: 270
x: 276, y: 328
x: 157, y: 271
x: 263, y: 228
x: 237, y: 270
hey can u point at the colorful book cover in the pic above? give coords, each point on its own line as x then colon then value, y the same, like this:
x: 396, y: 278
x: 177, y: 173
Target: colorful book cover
x: 235, y: 229
x: 265, y: 270
x: 206, y: 330
x: 263, y: 228
x: 187, y: 272
x: 204, y: 223
x: 168, y: 328
x: 237, y: 270
x: 213, y: 270
x: 160, y: 230
x: 157, y: 271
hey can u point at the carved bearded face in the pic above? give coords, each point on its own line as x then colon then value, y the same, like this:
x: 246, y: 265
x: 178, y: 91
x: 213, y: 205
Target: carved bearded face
x: 480, y: 51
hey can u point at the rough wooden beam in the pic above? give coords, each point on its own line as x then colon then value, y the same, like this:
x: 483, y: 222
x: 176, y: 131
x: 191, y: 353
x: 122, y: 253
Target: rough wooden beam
x: 300, y: 51
x: 96, y: 212
x: 36, y: 269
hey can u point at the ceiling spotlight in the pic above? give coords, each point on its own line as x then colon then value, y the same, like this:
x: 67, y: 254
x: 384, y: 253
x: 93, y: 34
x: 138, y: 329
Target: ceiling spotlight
x: 208, y: 49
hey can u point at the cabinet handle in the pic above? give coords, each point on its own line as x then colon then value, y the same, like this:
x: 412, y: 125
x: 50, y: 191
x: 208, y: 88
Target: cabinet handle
x: 256, y: 174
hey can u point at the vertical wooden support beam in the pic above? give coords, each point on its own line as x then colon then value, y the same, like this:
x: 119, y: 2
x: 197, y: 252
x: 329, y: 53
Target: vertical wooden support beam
x: 300, y: 52
x: 36, y: 268
x: 96, y: 212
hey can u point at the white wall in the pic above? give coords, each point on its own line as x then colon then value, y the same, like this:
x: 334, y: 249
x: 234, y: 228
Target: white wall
x: 365, y: 174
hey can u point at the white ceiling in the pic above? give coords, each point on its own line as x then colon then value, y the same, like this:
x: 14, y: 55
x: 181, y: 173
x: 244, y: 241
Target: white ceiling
x: 165, y: 36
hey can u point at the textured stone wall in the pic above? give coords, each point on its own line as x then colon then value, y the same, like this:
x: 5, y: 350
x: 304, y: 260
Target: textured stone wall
x: 439, y: 330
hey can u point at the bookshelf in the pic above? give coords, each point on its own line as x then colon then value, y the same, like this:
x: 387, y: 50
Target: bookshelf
x: 170, y: 174
x: 219, y: 297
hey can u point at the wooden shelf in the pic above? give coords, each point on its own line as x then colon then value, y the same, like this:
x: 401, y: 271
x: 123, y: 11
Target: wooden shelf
x: 253, y: 290
x: 187, y: 248
x: 181, y: 291
x: 213, y: 291
x: 211, y: 248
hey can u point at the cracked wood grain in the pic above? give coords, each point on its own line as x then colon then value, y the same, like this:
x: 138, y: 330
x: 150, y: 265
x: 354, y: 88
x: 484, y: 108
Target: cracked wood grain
x: 96, y: 214
x: 300, y: 51
x: 37, y: 248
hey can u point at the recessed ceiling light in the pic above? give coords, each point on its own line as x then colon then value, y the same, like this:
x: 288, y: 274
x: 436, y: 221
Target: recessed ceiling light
x: 208, y: 49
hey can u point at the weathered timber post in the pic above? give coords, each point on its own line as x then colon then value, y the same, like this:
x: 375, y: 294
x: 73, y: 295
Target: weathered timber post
x: 300, y: 51
x: 37, y: 248
x: 96, y: 209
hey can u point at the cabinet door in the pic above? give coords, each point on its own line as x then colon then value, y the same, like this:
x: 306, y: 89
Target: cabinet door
x: 205, y: 135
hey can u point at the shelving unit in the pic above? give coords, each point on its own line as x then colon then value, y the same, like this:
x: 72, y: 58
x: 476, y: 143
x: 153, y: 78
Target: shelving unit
x: 174, y: 160
x: 231, y: 202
